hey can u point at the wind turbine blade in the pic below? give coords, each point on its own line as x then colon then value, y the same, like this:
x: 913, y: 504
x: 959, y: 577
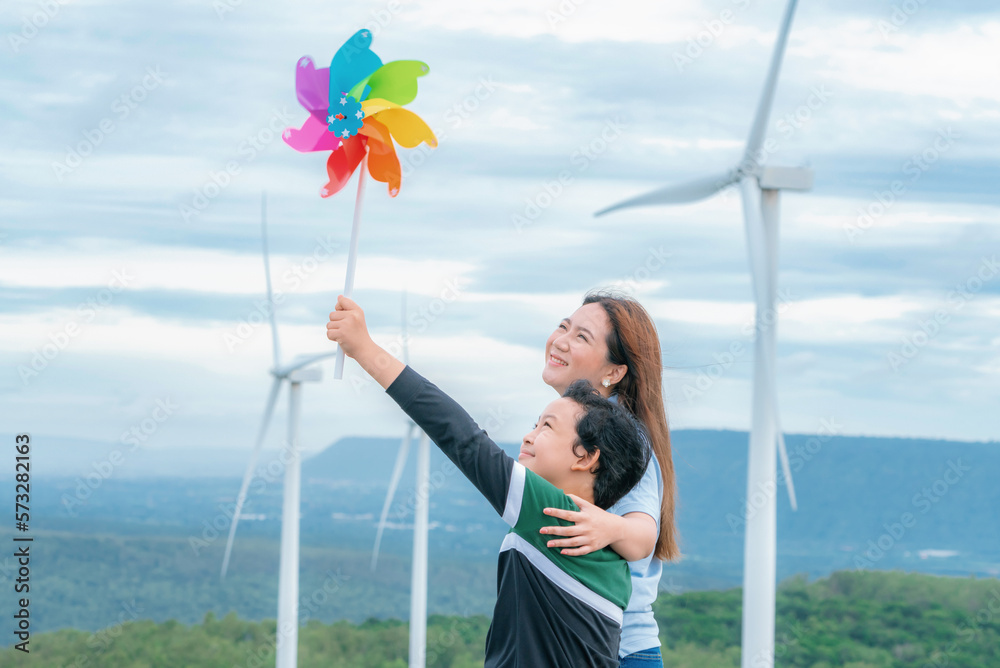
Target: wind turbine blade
x: 770, y: 221
x: 783, y: 453
x: 272, y: 399
x: 759, y: 126
x: 267, y: 276
x: 750, y: 194
x: 763, y: 275
x: 397, y: 472
x: 685, y: 192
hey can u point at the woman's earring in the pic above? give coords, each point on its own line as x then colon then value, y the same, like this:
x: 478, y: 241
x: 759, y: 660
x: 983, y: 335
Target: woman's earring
x: 606, y: 383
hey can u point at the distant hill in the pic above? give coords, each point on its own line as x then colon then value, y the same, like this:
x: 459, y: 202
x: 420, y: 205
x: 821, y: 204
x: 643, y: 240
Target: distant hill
x: 864, y: 503
x: 928, y: 503
x: 916, y: 500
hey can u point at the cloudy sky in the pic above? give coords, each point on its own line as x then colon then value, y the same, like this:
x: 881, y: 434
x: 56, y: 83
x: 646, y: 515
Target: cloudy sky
x: 139, y: 136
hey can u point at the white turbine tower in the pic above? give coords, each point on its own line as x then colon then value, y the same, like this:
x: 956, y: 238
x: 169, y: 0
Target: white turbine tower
x: 759, y: 188
x: 296, y: 372
x: 418, y: 573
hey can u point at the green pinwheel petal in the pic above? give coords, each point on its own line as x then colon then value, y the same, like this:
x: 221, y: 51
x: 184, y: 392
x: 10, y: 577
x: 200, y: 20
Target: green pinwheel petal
x: 358, y: 90
x: 395, y: 81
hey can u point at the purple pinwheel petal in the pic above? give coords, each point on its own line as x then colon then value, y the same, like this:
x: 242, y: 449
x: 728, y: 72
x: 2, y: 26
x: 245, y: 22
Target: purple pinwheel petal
x: 313, y: 136
x: 312, y: 87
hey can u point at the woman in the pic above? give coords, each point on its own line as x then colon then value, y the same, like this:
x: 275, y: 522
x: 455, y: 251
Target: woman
x: 612, y: 342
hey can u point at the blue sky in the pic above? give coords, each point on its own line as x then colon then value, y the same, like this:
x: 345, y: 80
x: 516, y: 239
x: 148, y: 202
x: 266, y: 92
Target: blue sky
x: 118, y: 118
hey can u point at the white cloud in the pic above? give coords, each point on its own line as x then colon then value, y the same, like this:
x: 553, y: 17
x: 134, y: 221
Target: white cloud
x: 565, y: 74
x: 505, y: 118
x: 98, y: 264
x: 947, y: 64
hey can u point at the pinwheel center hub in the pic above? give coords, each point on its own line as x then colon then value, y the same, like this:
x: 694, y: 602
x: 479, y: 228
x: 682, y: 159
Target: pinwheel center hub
x: 346, y: 117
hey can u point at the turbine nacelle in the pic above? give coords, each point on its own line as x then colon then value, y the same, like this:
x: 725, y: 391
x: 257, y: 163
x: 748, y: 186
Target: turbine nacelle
x: 785, y: 178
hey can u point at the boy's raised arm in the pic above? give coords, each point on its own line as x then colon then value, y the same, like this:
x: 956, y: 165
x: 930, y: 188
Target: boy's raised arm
x: 347, y: 327
x: 482, y: 461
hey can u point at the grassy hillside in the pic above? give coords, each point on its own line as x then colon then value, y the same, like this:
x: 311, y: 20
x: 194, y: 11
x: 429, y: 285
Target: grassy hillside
x: 850, y: 619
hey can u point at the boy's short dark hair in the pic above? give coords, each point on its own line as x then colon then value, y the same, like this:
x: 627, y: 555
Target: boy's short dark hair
x: 614, y: 431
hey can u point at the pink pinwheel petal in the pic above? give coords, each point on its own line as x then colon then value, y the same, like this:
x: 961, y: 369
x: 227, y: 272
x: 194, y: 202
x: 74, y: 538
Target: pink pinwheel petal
x: 312, y: 87
x: 312, y: 136
x: 342, y: 163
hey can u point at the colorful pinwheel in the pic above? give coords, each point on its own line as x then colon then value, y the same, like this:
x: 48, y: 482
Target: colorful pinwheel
x: 356, y: 111
x: 356, y: 105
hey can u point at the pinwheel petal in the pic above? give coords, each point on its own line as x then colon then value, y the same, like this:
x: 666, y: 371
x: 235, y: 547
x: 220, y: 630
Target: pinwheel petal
x: 375, y: 105
x: 383, y: 164
x: 342, y: 163
x: 406, y: 127
x: 312, y: 87
x: 397, y: 81
x: 360, y: 90
x: 377, y: 131
x: 312, y: 136
x: 353, y: 62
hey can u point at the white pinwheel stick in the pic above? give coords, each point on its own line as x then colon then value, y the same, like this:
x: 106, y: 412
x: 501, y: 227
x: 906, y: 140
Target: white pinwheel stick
x: 352, y: 254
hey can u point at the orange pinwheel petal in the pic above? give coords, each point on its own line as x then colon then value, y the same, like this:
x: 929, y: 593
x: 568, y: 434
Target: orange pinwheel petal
x: 375, y: 130
x: 383, y: 164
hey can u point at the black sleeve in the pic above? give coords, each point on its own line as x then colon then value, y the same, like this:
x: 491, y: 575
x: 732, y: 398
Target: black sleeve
x: 456, y: 433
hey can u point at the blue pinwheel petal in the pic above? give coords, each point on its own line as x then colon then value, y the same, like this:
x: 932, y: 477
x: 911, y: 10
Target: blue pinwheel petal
x: 353, y: 62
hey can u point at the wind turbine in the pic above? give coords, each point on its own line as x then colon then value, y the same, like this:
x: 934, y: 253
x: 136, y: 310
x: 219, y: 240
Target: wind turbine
x: 298, y: 371
x: 418, y: 573
x: 759, y: 188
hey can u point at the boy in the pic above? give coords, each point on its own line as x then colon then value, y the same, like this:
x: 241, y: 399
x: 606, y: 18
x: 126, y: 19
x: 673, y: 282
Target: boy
x: 552, y: 609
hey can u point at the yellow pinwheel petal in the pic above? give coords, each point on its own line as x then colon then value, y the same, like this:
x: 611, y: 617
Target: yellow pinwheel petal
x: 377, y: 104
x: 406, y: 127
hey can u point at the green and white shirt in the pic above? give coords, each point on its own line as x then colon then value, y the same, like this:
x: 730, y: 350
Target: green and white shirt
x: 551, y: 609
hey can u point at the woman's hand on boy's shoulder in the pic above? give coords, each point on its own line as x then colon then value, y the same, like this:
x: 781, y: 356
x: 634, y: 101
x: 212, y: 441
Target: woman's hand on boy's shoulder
x: 593, y: 528
x: 633, y: 536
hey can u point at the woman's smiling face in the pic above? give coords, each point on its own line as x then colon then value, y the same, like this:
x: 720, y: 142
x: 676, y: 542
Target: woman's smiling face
x: 578, y: 348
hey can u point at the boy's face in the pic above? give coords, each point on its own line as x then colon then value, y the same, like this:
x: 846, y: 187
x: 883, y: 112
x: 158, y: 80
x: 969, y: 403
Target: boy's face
x: 548, y: 448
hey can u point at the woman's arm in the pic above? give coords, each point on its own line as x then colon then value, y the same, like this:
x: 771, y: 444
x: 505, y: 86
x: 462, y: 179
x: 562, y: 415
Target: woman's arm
x: 632, y: 535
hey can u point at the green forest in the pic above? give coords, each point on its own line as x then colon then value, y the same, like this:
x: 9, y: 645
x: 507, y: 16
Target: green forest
x: 851, y: 619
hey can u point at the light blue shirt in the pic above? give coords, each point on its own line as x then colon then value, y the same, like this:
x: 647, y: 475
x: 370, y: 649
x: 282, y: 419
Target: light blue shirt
x: 639, y: 630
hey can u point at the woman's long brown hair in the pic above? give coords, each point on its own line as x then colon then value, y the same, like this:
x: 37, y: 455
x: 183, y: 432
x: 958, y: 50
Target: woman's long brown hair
x: 633, y: 341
